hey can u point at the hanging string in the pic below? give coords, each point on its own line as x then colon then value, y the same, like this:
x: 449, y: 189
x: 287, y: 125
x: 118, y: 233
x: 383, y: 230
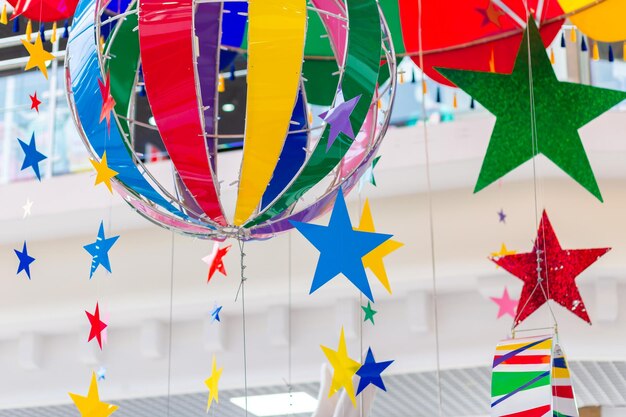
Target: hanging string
x: 169, y: 350
x: 289, y: 352
x: 242, y: 290
x: 359, y: 211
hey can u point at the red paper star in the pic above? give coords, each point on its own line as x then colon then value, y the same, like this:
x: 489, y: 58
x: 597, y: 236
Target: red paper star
x: 215, y: 260
x: 558, y: 269
x: 34, y: 102
x: 97, y: 326
x: 108, y: 102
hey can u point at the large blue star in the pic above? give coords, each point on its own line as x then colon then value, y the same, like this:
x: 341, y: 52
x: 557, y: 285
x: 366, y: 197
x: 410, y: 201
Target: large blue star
x: 370, y: 372
x: 32, y: 157
x: 341, y: 248
x: 25, y: 260
x: 99, y: 250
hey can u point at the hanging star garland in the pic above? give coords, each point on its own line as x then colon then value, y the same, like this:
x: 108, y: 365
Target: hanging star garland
x: 104, y: 174
x: 27, y: 208
x: 341, y: 248
x: 339, y: 120
x: 369, y: 312
x: 215, y: 314
x: 97, y: 326
x: 506, y: 305
x: 344, y: 368
x: 91, y: 406
x: 370, y: 372
x: 549, y: 272
x: 559, y: 109
x: 24, y: 260
x: 34, y: 102
x: 99, y: 250
x: 212, y: 384
x: 374, y: 259
x: 37, y: 56
x: 32, y: 157
x: 215, y: 260
x: 108, y: 102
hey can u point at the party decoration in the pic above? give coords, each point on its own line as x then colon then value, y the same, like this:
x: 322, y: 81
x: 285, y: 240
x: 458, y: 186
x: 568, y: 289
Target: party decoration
x: 506, y: 305
x: 489, y: 41
x: 215, y: 260
x: 284, y: 158
x: 37, y: 56
x: 369, y: 174
x: 34, y: 102
x: 97, y: 326
x: 502, y: 216
x: 43, y: 10
x: 101, y: 375
x: 602, y: 21
x: 215, y: 314
x: 370, y: 372
x: 32, y: 157
x: 369, y: 312
x: 549, y: 272
x: 504, y: 251
x: 344, y: 368
x: 530, y: 377
x: 99, y: 250
x: 27, y: 208
x: 559, y: 109
x: 341, y: 248
x: 104, y: 174
x: 91, y: 406
x: 25, y: 260
x: 374, y: 259
x: 212, y: 384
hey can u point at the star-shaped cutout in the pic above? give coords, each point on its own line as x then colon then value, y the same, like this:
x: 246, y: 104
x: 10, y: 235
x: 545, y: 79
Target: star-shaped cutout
x: 108, y: 102
x: 34, y: 102
x: 502, y: 216
x: 374, y: 259
x: 339, y: 120
x: 369, y: 176
x: 342, y: 249
x: 215, y: 314
x: 37, y: 56
x: 103, y: 172
x: 212, y: 384
x: 101, y: 374
x: 215, y: 260
x: 32, y: 157
x: 25, y: 260
x: 560, y: 109
x: 490, y: 14
x: 506, y: 304
x: 369, y: 312
x: 97, y: 326
x: 99, y: 250
x: 344, y: 368
x: 91, y: 406
x: 370, y: 372
x: 549, y: 272
x: 27, y: 208
x: 504, y: 251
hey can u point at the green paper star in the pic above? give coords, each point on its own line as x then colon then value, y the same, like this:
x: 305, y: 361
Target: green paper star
x: 560, y: 109
x: 369, y: 312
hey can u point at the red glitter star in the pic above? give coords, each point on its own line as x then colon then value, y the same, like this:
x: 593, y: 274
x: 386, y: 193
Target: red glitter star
x: 34, y: 102
x: 97, y: 326
x: 558, y: 269
x: 108, y: 102
x: 215, y: 260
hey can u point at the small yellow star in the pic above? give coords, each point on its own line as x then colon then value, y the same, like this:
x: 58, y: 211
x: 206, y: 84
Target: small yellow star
x: 503, y: 252
x: 91, y: 406
x: 374, y: 259
x: 38, y: 56
x: 211, y: 383
x: 344, y: 369
x: 103, y: 172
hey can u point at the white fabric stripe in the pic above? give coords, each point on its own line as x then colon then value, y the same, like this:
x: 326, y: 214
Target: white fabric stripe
x: 522, y: 368
x: 523, y: 400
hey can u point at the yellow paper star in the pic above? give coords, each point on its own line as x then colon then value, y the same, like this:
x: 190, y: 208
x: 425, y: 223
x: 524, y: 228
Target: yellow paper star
x: 211, y: 384
x: 344, y: 369
x: 91, y: 406
x: 104, y: 173
x: 38, y: 56
x: 503, y: 252
x: 374, y: 259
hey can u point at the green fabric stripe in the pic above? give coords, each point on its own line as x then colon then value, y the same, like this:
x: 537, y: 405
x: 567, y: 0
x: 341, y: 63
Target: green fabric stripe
x: 503, y: 383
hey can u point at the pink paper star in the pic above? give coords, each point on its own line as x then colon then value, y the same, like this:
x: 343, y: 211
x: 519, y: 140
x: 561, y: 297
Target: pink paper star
x: 506, y: 304
x: 108, y: 102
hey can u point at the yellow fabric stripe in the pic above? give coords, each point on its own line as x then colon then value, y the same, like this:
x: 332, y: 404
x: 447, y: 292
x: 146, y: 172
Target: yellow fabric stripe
x: 276, y: 33
x: 543, y: 345
x: 560, y: 373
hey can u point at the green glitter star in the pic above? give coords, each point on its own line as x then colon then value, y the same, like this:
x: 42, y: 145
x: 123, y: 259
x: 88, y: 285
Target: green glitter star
x: 560, y: 109
x: 369, y: 312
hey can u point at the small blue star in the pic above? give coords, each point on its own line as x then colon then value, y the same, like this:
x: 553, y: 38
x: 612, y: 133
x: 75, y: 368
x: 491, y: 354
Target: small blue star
x: 25, y: 260
x: 502, y: 216
x: 215, y: 314
x: 370, y: 372
x: 101, y: 375
x: 99, y: 250
x: 32, y: 157
x: 341, y: 248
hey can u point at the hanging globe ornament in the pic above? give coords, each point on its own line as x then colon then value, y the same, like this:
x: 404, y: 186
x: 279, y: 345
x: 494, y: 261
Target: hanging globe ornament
x: 600, y: 20
x: 292, y: 165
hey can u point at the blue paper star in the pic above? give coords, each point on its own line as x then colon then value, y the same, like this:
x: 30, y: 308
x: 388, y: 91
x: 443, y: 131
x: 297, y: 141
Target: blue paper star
x: 101, y: 375
x: 370, y: 372
x: 99, y: 250
x: 341, y: 248
x: 25, y: 260
x: 32, y: 157
x: 502, y: 216
x: 215, y: 314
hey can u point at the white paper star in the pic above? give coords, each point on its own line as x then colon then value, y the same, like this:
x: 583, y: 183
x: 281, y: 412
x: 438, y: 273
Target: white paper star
x: 26, y: 207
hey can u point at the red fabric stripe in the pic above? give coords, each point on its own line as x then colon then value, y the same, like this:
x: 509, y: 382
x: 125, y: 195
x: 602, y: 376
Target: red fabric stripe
x: 535, y: 412
x: 564, y: 391
x: 525, y: 360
